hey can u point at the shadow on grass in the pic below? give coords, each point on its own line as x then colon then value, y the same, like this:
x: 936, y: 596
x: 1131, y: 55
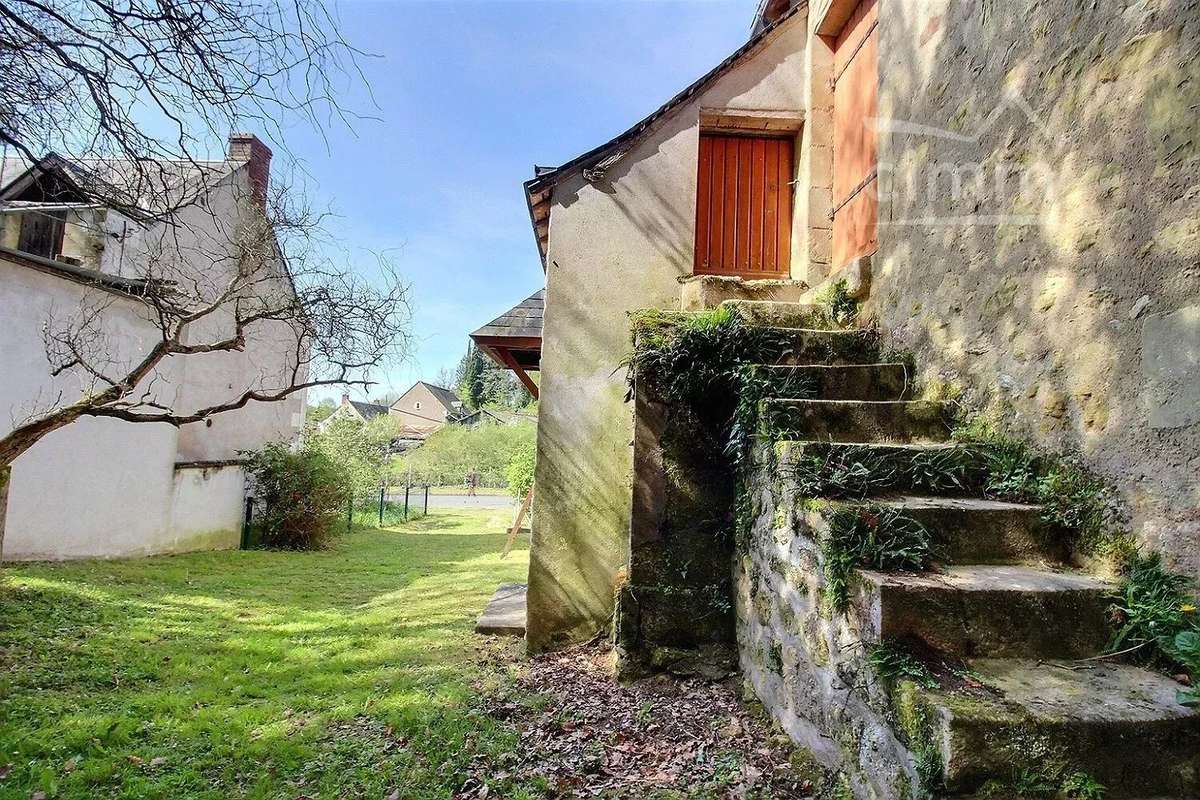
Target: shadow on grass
x: 234, y: 668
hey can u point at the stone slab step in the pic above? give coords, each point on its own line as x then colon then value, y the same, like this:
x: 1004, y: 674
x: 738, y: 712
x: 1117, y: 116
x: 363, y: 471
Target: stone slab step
x: 701, y: 292
x: 859, y: 420
x: 860, y: 470
x: 776, y: 314
x: 504, y: 614
x: 990, y: 611
x: 803, y: 346
x: 884, y: 381
x: 973, y: 531
x: 1119, y: 723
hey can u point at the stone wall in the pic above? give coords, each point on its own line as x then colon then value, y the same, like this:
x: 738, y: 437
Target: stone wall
x: 805, y: 663
x: 674, y: 610
x: 1070, y: 306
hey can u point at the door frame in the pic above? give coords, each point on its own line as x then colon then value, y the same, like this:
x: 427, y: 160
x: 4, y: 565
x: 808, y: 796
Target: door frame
x: 829, y: 27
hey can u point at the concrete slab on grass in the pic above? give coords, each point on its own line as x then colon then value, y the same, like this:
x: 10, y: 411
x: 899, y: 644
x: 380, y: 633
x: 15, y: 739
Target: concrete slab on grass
x: 505, y: 612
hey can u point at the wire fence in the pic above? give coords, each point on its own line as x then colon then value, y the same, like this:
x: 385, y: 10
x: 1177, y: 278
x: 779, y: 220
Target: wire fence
x: 394, y: 505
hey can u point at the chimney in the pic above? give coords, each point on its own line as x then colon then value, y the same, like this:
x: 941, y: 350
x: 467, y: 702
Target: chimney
x: 345, y: 398
x: 249, y: 148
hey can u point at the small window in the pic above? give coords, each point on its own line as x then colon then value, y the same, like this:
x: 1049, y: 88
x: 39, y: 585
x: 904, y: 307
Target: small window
x: 417, y: 405
x: 41, y: 234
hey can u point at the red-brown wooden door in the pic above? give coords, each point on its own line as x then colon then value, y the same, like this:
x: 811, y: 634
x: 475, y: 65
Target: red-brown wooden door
x: 855, y: 106
x: 744, y: 206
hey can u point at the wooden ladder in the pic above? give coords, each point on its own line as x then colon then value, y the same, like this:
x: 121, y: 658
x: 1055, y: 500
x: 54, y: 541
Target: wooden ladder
x: 516, y: 528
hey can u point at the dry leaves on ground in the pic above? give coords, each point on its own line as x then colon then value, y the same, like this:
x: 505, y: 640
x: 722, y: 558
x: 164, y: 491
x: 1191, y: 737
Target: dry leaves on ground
x: 583, y: 734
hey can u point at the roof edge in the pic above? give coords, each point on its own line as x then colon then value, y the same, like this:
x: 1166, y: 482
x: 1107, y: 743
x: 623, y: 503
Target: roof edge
x: 130, y: 287
x: 551, y: 177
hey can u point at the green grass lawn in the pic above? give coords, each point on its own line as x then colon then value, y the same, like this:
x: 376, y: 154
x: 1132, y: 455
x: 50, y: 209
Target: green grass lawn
x: 344, y: 673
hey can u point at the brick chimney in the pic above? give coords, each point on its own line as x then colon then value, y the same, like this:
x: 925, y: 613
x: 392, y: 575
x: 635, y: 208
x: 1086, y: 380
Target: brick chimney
x: 249, y: 148
x: 345, y: 398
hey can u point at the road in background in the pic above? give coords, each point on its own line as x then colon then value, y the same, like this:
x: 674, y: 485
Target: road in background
x: 417, y: 498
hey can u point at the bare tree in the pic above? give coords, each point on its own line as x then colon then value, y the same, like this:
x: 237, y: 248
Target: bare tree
x: 99, y: 82
x: 148, y: 82
x: 232, y: 288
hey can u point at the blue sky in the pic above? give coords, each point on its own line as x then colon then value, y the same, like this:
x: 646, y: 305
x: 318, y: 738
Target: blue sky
x: 469, y: 96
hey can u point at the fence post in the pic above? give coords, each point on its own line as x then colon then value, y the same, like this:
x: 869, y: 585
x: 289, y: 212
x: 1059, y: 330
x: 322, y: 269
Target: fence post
x: 426, y: 500
x: 350, y: 513
x: 246, y: 523
x: 381, y: 491
x: 406, y: 488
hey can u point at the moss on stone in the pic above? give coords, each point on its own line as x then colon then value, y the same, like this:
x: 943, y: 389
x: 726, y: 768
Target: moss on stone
x: 917, y: 723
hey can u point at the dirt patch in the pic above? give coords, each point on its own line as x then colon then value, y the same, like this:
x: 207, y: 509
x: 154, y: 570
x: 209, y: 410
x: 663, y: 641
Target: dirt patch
x: 583, y: 734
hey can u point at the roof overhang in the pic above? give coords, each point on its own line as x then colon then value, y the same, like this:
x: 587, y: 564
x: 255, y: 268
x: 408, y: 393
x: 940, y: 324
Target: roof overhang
x: 514, y: 339
x: 539, y: 189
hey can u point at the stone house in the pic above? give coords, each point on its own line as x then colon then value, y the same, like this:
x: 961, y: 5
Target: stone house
x: 102, y: 487
x: 1010, y: 191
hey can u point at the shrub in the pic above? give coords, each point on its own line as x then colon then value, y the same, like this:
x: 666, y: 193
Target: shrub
x: 302, y: 496
x: 449, y: 454
x: 520, y: 469
x: 358, y: 450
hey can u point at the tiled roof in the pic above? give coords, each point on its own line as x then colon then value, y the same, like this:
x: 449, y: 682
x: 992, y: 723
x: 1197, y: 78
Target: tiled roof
x: 368, y: 410
x: 523, y: 319
x: 446, y: 397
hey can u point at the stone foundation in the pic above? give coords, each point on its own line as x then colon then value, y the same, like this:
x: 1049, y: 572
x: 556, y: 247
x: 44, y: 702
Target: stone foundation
x: 807, y: 665
x: 674, y: 611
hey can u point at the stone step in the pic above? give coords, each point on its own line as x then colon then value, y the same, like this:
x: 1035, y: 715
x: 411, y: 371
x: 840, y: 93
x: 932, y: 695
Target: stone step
x: 804, y: 346
x: 859, y: 470
x: 989, y: 611
x: 972, y: 531
x: 858, y: 420
x: 1120, y: 724
x: 885, y: 381
x: 776, y: 314
x: 702, y: 292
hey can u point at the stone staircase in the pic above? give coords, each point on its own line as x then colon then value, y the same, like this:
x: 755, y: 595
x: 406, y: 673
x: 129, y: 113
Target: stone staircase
x: 1003, y: 601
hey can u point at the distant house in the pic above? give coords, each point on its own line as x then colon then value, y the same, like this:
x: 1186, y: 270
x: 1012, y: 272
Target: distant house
x: 427, y: 407
x: 421, y: 410
x: 352, y: 409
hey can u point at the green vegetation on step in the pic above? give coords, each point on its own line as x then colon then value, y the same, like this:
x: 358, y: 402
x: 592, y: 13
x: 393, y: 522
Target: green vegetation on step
x: 892, y: 663
x: 868, y: 536
x: 1156, y: 617
x: 840, y: 308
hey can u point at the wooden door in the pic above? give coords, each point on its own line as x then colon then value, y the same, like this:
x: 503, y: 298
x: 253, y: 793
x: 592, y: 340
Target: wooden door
x: 855, y: 105
x: 744, y: 206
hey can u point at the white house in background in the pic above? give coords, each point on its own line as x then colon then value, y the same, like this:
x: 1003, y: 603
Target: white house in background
x: 356, y: 410
x: 102, y: 487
